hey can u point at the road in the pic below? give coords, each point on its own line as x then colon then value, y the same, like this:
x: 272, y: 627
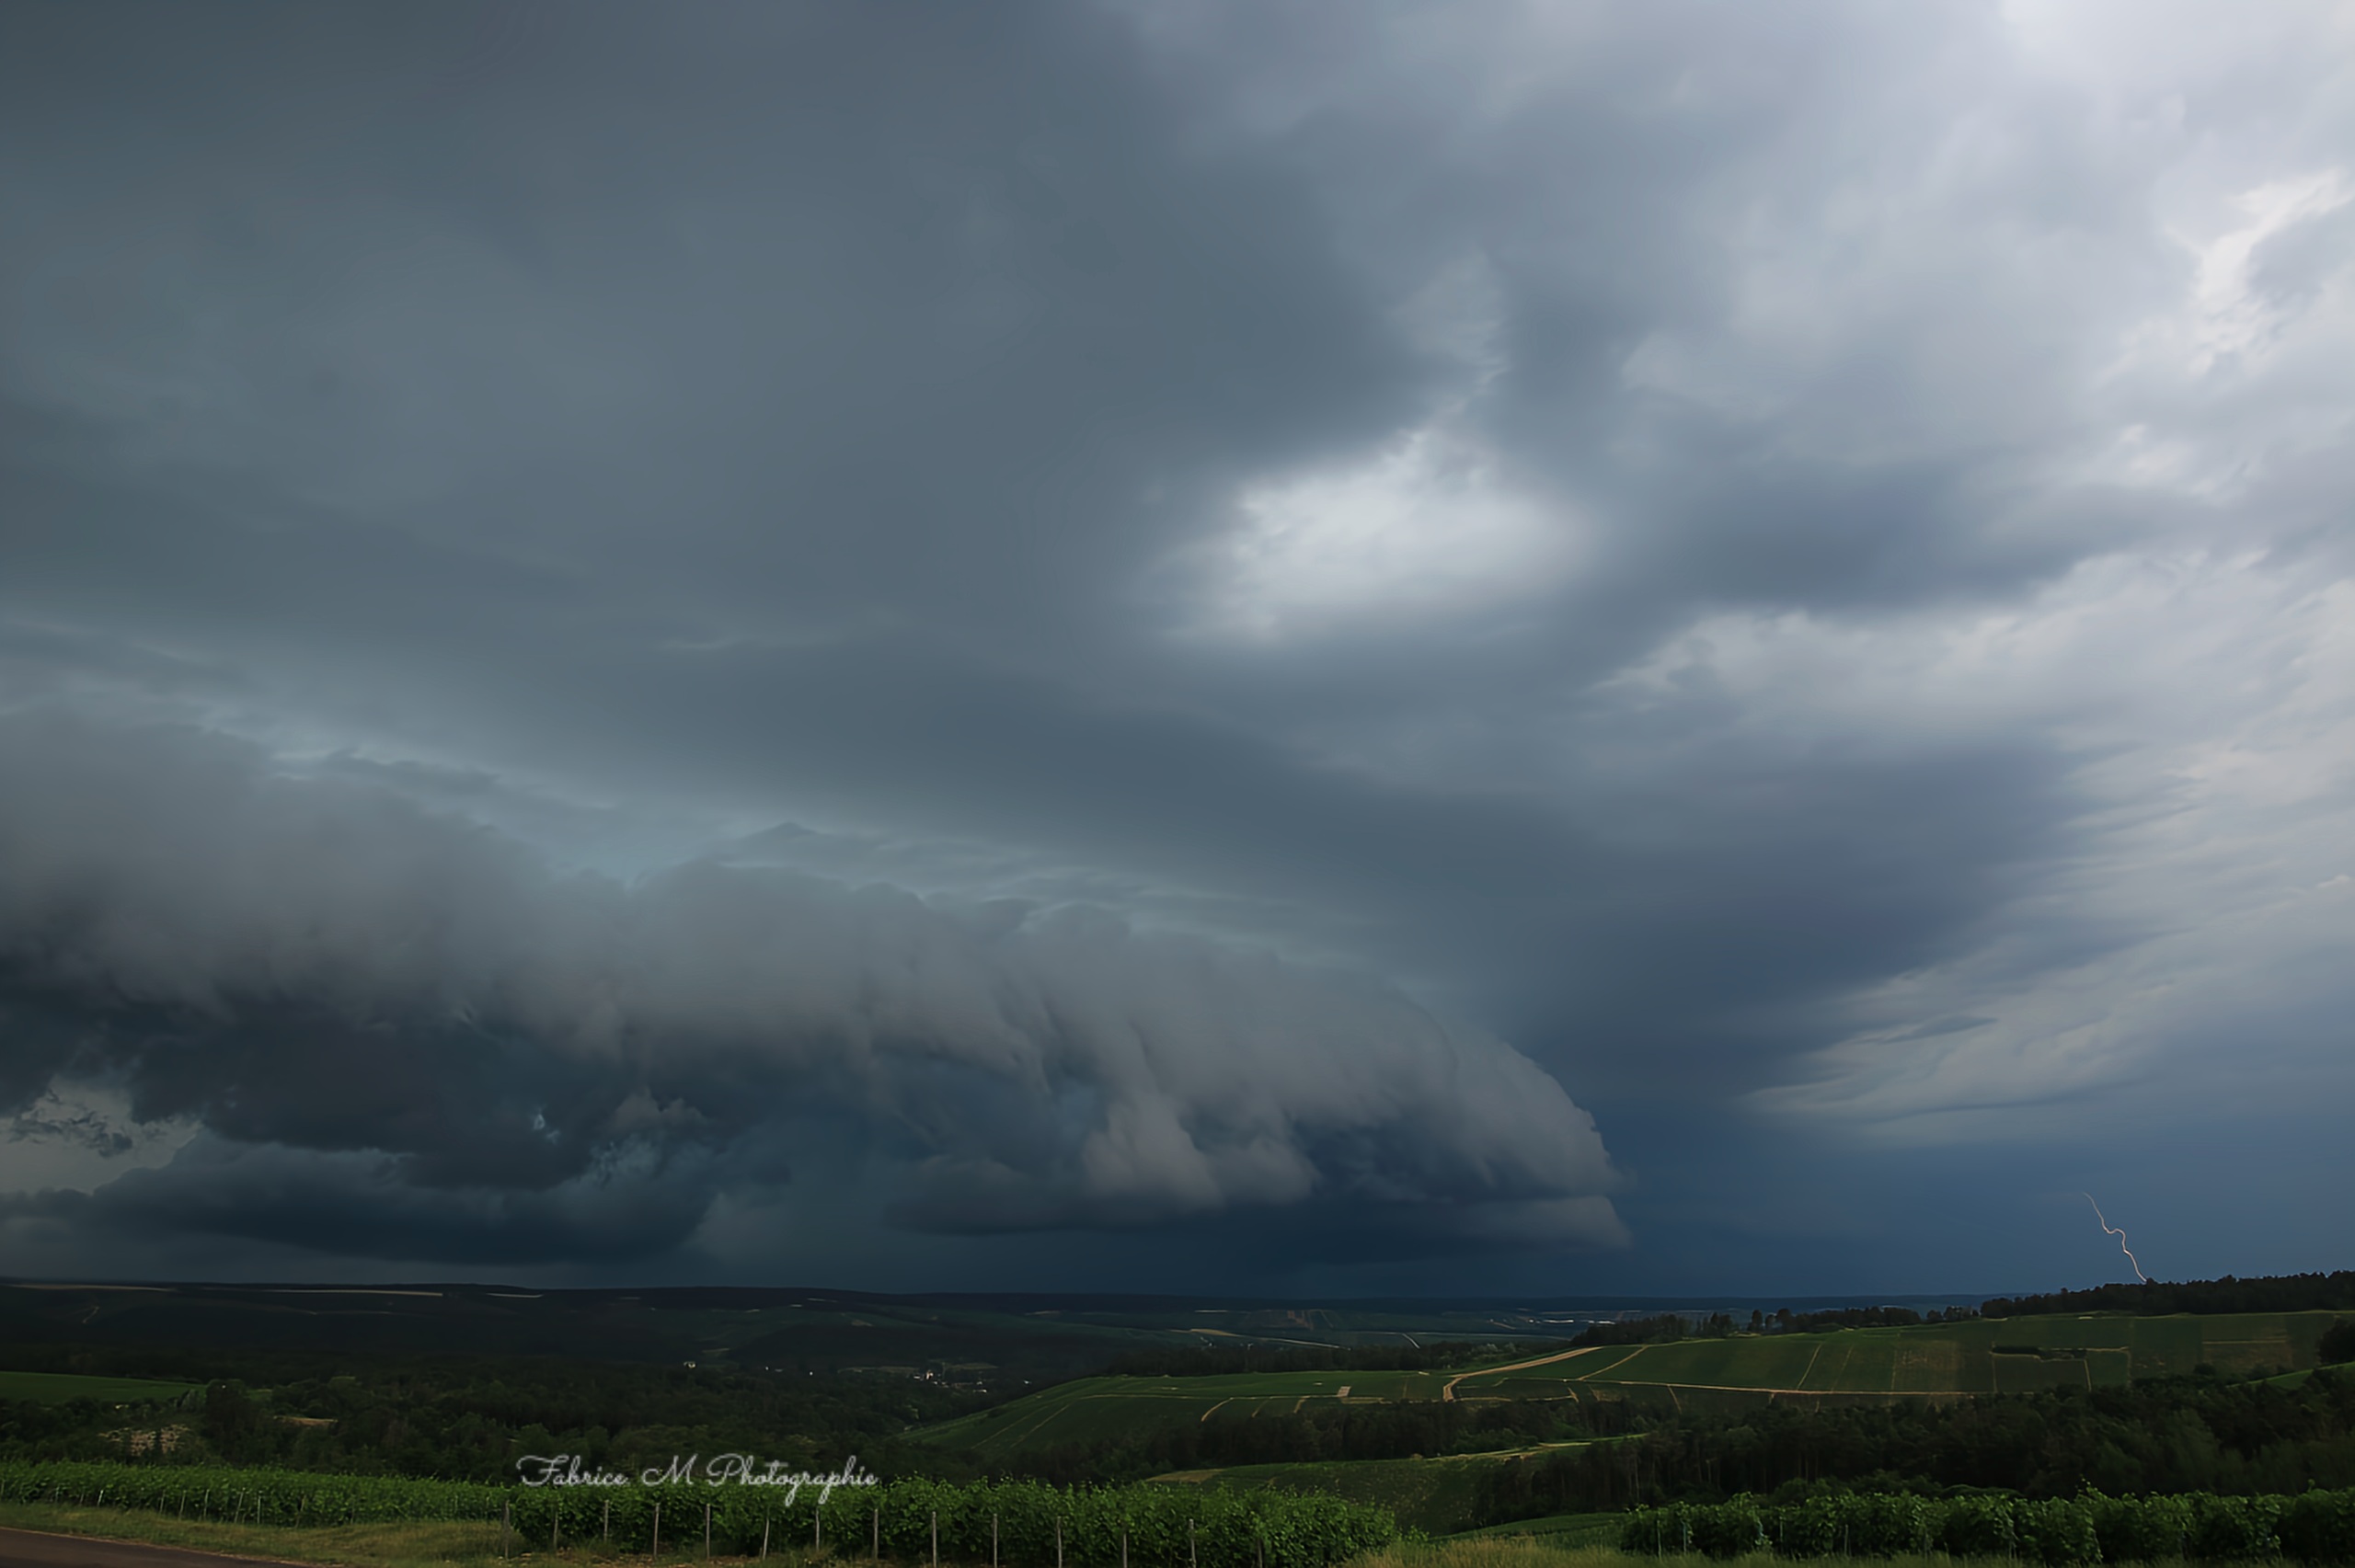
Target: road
x: 38, y: 1549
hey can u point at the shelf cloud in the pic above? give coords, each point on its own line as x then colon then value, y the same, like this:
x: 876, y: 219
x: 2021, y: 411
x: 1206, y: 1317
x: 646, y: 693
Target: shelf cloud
x: 401, y: 1032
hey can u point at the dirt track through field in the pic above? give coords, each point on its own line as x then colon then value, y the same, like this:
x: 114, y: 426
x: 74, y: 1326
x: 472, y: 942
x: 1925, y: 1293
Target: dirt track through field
x: 1447, y: 1391
x: 38, y: 1549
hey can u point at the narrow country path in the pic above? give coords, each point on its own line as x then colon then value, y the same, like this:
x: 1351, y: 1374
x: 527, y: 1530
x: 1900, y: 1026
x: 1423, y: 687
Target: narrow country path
x: 1447, y: 1391
x: 39, y: 1549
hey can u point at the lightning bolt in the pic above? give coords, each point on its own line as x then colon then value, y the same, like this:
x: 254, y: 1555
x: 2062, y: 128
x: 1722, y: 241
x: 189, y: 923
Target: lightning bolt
x: 2114, y: 1231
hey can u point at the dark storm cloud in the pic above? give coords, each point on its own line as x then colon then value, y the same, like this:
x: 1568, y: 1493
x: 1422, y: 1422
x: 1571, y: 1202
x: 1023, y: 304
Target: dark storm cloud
x: 363, y: 1206
x: 1715, y: 544
x: 450, y: 1040
x: 879, y: 307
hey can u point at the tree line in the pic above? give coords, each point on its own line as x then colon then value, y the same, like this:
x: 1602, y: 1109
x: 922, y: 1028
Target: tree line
x: 1229, y: 1360
x: 2272, y: 1293
x: 1669, y: 1327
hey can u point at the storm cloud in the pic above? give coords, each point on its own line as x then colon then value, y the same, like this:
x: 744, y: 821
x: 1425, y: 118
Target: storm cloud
x: 842, y: 634
x: 469, y: 1042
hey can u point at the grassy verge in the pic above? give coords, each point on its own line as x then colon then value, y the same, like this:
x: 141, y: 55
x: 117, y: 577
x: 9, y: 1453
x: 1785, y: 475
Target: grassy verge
x: 440, y: 1545
x: 1544, y: 1551
x: 477, y: 1546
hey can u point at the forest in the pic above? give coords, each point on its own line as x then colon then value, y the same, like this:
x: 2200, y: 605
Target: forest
x: 2276, y: 1293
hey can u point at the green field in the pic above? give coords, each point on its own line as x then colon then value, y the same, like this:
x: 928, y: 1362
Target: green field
x: 56, y: 1388
x: 2003, y: 1356
x: 1091, y: 1409
x: 1842, y: 1366
x: 1438, y: 1496
x: 1564, y: 1530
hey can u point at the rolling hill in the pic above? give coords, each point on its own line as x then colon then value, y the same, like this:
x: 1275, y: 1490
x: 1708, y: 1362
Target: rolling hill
x: 1930, y: 1361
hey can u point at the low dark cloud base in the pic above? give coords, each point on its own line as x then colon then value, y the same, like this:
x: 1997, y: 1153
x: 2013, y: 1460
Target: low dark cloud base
x: 401, y: 1037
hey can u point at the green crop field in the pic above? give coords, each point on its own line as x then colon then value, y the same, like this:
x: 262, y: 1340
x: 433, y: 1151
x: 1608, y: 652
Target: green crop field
x: 1842, y: 1367
x: 1561, y: 1530
x: 2000, y: 1355
x: 56, y: 1388
x: 1095, y: 1408
x: 1439, y: 1496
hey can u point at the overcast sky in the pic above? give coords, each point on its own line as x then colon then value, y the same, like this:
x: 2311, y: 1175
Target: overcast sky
x: 1302, y: 647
